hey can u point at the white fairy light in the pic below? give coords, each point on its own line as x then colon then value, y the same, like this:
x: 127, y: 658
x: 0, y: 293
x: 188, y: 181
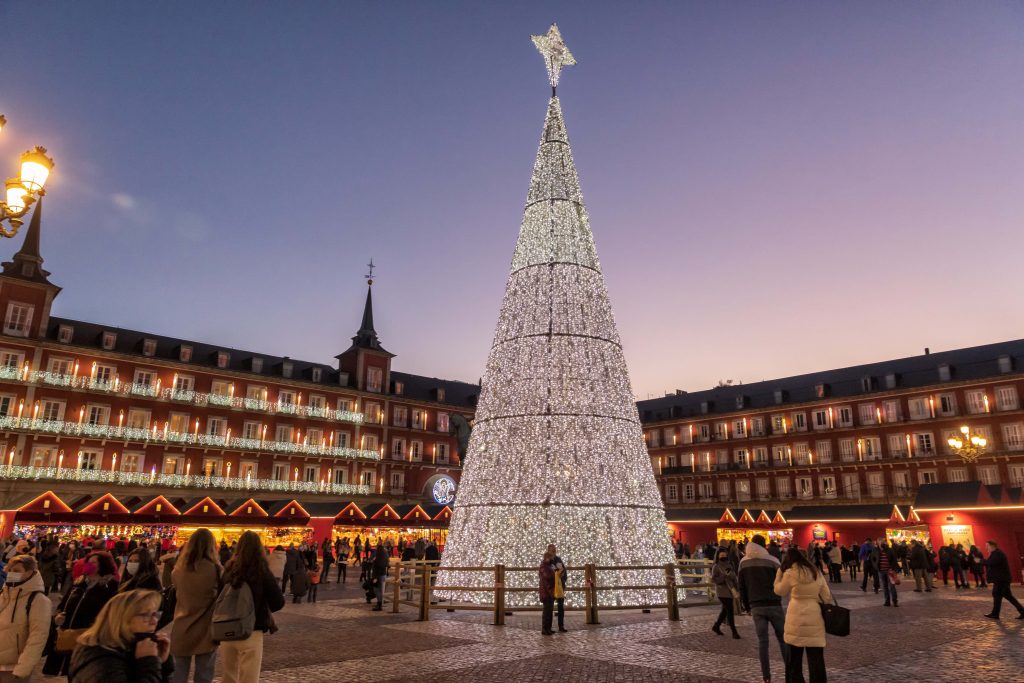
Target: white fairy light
x: 557, y: 453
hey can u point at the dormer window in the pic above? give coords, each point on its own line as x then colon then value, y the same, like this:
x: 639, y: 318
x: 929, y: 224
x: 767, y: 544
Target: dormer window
x: 890, y: 380
x: 399, y: 388
x: 944, y: 372
x: 185, y: 353
x: 1005, y: 364
x: 257, y: 365
x: 148, y: 347
x: 108, y: 341
x: 440, y: 395
x: 223, y: 358
x: 820, y: 390
x: 65, y: 334
x: 286, y: 368
x: 741, y: 402
x: 317, y: 374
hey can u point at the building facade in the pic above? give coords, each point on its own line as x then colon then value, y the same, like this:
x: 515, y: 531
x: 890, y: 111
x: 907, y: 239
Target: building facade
x: 87, y: 408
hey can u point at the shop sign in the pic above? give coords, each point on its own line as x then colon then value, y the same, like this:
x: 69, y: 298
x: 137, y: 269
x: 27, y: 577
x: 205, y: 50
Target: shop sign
x: 443, y: 490
x: 819, y: 534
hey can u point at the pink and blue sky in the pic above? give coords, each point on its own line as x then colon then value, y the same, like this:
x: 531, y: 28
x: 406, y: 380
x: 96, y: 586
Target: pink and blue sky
x: 775, y: 188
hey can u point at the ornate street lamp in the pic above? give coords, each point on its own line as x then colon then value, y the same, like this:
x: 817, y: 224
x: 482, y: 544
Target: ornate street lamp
x: 25, y: 188
x: 968, y: 446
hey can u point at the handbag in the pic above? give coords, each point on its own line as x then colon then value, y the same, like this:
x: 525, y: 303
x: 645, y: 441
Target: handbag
x: 836, y: 618
x: 67, y: 638
x: 168, y: 604
x: 894, y: 577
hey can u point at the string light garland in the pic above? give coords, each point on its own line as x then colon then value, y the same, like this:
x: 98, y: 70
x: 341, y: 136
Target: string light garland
x: 557, y: 453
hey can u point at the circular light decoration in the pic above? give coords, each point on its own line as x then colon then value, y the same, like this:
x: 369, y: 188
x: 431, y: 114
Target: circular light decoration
x: 443, y: 490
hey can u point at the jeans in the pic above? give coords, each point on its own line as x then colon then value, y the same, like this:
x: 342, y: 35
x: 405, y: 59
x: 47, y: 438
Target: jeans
x: 727, y: 613
x: 888, y: 588
x: 547, y: 614
x: 1000, y: 590
x: 243, y: 659
x: 560, y: 612
x: 342, y: 572
x: 203, y: 670
x: 815, y: 664
x: 959, y: 578
x: 764, y: 617
x: 378, y: 588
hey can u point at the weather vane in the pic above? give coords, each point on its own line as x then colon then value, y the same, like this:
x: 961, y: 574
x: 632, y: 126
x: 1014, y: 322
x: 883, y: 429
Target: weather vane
x: 556, y: 55
x: 369, y: 275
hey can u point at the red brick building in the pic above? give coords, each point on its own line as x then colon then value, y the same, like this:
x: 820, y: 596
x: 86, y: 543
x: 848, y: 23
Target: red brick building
x: 88, y: 409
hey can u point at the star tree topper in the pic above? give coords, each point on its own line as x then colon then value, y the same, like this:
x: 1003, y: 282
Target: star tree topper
x: 555, y: 53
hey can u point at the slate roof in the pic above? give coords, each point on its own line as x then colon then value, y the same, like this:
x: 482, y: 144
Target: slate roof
x: 964, y: 364
x: 204, y: 355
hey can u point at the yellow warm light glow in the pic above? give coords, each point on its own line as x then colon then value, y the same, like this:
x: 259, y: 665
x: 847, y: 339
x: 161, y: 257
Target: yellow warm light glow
x: 35, y: 168
x: 964, y: 430
x: 16, y: 192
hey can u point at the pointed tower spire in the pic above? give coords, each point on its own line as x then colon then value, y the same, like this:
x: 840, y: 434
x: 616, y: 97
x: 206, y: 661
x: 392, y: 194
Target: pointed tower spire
x: 366, y: 337
x: 557, y: 453
x: 27, y: 263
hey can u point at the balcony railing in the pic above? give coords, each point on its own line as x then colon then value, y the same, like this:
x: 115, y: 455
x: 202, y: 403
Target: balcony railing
x: 84, y: 429
x: 17, y: 472
x: 172, y: 394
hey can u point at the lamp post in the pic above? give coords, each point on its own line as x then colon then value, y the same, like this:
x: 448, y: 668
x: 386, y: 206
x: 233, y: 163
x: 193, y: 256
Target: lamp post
x: 968, y: 446
x: 24, y: 189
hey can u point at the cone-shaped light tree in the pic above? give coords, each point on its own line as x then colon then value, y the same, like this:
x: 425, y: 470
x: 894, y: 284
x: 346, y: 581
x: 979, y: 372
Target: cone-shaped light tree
x: 557, y: 452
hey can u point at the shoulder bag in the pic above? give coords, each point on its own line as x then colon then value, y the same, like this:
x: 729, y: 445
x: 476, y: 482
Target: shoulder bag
x: 836, y: 618
x: 67, y: 638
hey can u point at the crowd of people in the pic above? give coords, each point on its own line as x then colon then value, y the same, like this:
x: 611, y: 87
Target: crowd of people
x: 753, y: 577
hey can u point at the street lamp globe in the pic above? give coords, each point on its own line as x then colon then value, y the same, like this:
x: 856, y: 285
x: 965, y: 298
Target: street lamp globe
x: 35, y: 168
x: 16, y: 197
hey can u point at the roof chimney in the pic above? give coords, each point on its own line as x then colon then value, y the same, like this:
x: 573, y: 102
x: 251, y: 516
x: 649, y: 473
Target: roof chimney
x: 927, y: 351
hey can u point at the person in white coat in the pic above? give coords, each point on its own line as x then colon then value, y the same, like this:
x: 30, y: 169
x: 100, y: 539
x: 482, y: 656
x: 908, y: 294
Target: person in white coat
x: 24, y: 619
x: 803, y: 583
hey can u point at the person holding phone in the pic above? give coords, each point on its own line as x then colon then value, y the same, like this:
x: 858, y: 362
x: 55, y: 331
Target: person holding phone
x: 559, y: 567
x: 123, y: 645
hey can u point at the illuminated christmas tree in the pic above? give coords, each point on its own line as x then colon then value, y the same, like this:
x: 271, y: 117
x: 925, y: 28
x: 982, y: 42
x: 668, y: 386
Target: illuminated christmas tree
x: 557, y: 454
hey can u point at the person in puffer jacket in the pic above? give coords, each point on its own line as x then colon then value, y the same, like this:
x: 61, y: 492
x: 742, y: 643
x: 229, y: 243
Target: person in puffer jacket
x: 24, y: 618
x: 805, y: 627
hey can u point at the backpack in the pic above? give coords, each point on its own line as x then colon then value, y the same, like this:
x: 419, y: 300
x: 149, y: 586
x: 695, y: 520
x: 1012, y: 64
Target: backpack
x: 234, y: 614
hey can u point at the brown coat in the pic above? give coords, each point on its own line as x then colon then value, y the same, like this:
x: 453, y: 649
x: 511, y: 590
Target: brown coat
x: 196, y: 591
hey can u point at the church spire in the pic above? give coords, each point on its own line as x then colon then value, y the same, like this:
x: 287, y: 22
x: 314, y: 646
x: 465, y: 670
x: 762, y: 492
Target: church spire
x: 366, y: 337
x: 27, y: 263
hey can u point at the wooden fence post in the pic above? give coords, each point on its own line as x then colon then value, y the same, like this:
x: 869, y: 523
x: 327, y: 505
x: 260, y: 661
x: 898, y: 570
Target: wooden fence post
x: 424, y: 573
x: 673, y: 597
x: 590, y: 574
x: 499, y: 595
x: 398, y: 589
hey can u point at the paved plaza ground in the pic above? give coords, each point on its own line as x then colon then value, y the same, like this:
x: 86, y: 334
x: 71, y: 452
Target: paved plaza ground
x: 938, y: 636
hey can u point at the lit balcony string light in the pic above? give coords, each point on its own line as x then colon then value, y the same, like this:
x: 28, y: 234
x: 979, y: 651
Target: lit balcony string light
x: 557, y: 453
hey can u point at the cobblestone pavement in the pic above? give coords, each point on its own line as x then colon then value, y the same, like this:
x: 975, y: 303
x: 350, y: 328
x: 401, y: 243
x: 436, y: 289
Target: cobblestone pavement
x: 941, y: 636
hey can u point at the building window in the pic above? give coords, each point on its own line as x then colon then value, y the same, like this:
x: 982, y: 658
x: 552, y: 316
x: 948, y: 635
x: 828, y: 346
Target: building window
x: 801, y: 453
x: 256, y: 392
x: 216, y: 426
x: 867, y: 413
x: 185, y: 353
x: 845, y: 416
x: 947, y: 404
x: 6, y: 405
x: 280, y: 472
x: 823, y: 451
x: 977, y: 402
x: 370, y: 442
x: 672, y: 493
x: 847, y: 450
x: 18, y: 320
x: 397, y: 482
x: 988, y: 475
x: 688, y: 492
x: 400, y: 416
x: 148, y: 347
x: 876, y: 484
x: 416, y: 451
x: 800, y: 421
x: 138, y: 419
x: 780, y: 454
x: 901, y: 481
x: 828, y: 486
x: 312, y: 472
x: 342, y: 439
x: 11, y: 360
x: 783, y: 487
x: 257, y: 365
x: 172, y: 464
x: 131, y: 462
x: 705, y: 432
x: 804, y: 487
x: 103, y: 375
x: 65, y: 333
x: 928, y: 477
x: 250, y: 430
x: 419, y: 421
x: 957, y: 474
x: 145, y: 378
x: 98, y: 415
x: 763, y: 489
x: 741, y: 458
x: 223, y: 358
x: 891, y: 410
x: 821, y: 419
x: 60, y: 366
x: 284, y: 433
x: 368, y: 478
x: 285, y: 397
x: 53, y: 411
x: 707, y: 491
x: 1013, y: 436
x: 724, y: 490
x: 287, y: 368
x: 923, y: 443
x: 442, y: 422
x: 1006, y: 398
x: 317, y: 374
x: 374, y: 379
x: 108, y: 340
x: 871, y: 448
x: 721, y: 431
x: 399, y: 388
x: 398, y: 449
x: 778, y: 424
x: 317, y: 402
x: 441, y: 453
x: 220, y: 388
x: 919, y: 408
x: 761, y: 455
x: 178, y: 423
x: 340, y: 476
x: 851, y: 485
x: 757, y: 426
x: 897, y: 445
x: 183, y: 383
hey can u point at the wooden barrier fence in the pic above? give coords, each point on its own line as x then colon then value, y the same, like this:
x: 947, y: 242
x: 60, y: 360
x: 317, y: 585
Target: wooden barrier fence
x: 413, y: 584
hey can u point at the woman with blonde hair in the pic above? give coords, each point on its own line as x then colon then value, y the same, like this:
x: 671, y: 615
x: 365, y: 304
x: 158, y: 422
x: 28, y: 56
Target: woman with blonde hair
x: 122, y: 645
x: 196, y: 580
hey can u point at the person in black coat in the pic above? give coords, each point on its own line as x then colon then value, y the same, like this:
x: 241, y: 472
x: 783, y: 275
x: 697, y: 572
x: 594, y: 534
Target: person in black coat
x: 81, y: 606
x: 378, y: 575
x: 224, y: 553
x: 999, y: 576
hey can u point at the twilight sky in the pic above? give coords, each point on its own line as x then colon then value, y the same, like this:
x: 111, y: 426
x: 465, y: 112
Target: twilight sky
x: 775, y: 188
